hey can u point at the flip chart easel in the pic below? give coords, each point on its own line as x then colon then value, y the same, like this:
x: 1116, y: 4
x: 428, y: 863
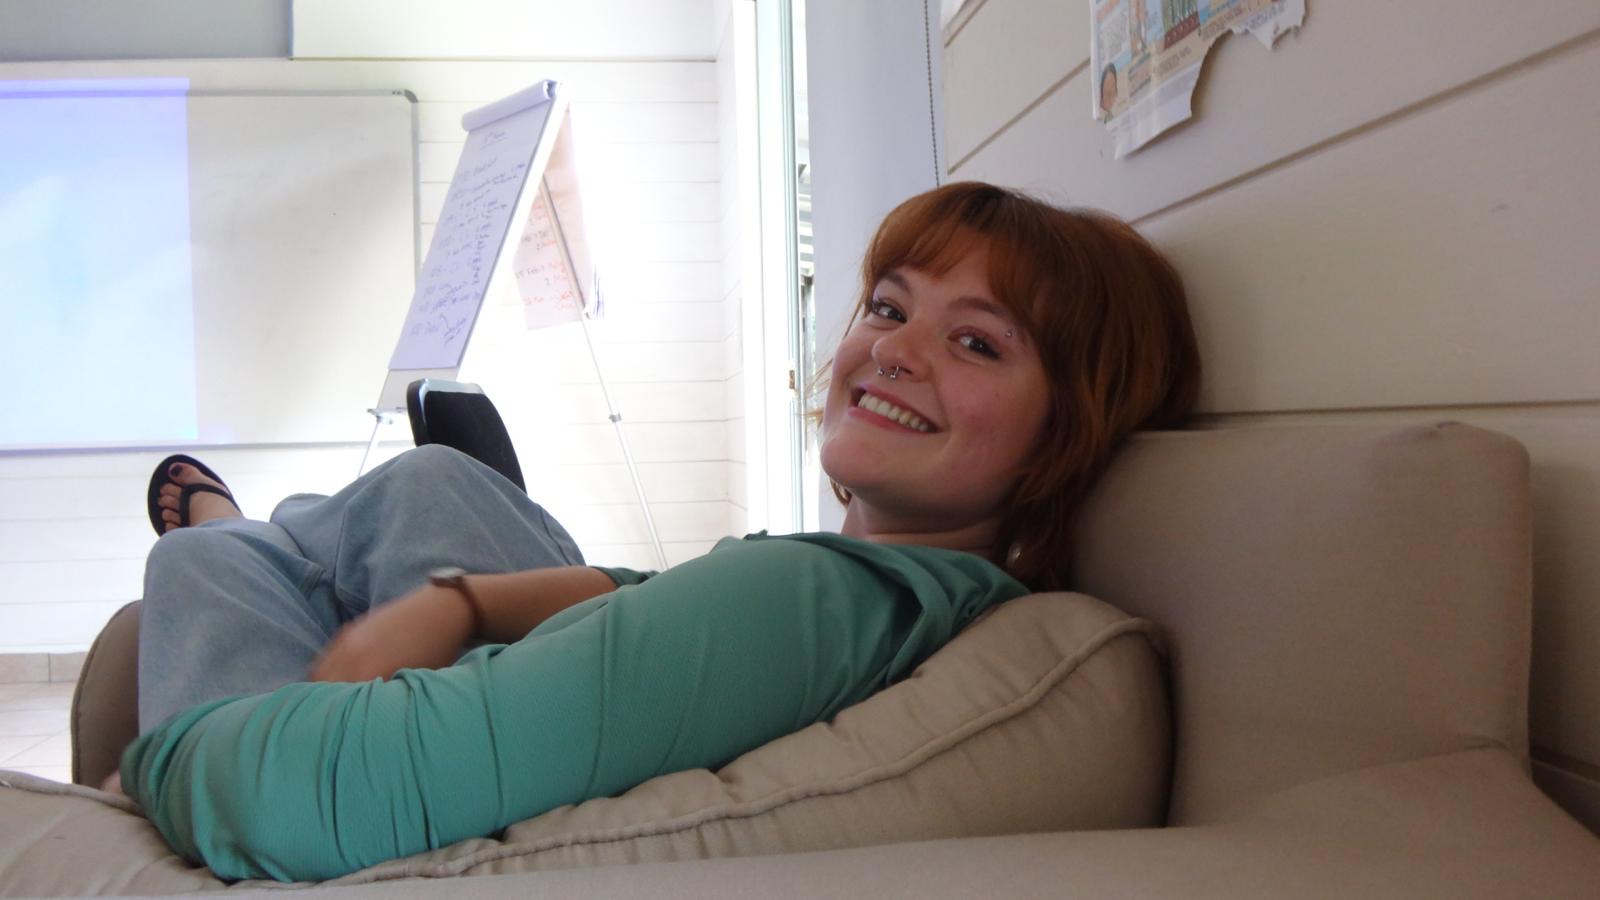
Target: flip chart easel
x: 512, y: 211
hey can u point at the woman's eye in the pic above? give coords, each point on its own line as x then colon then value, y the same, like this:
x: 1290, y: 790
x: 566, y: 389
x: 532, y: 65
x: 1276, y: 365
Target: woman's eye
x: 885, y: 310
x: 977, y: 345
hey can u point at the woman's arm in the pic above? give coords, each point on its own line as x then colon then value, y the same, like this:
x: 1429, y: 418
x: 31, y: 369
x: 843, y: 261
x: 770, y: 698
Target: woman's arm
x: 427, y: 628
x: 515, y: 603
x: 314, y: 781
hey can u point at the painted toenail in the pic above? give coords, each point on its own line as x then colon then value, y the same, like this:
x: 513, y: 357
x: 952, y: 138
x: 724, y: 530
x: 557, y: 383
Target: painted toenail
x: 176, y: 470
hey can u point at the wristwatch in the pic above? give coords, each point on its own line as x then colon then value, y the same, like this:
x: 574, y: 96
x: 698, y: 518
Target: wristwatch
x: 455, y: 578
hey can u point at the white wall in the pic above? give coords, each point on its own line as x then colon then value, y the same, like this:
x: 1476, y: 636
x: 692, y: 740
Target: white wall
x: 522, y: 29
x: 142, y: 29
x: 73, y: 533
x: 1390, y: 217
x: 872, y: 145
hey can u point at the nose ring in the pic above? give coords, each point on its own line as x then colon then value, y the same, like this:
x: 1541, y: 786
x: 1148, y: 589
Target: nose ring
x: 892, y: 375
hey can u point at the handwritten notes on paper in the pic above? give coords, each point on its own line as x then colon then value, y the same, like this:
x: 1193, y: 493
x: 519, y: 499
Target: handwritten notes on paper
x: 555, y: 272
x: 544, y: 275
x: 467, y: 243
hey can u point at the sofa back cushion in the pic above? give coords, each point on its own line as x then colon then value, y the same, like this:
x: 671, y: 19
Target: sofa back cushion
x: 1335, y: 597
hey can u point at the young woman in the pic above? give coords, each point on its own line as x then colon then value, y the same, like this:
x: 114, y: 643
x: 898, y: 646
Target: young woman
x: 1001, y: 352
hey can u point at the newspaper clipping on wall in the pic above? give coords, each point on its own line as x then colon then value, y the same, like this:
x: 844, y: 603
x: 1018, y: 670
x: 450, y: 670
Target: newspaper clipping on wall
x: 1145, y: 56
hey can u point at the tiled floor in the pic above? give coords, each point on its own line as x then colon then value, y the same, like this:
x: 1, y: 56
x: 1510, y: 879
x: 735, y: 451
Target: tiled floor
x: 33, y: 729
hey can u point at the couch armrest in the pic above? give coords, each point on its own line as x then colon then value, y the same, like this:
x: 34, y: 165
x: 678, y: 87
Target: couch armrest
x: 105, y: 705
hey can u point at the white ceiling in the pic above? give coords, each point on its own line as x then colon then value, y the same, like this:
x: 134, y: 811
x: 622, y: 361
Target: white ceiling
x: 559, y: 29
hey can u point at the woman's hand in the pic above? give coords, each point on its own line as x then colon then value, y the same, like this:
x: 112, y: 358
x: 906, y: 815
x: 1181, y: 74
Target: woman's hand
x: 425, y: 629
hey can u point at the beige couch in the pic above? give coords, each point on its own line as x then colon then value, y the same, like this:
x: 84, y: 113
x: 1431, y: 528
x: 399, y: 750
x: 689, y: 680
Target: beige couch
x: 1346, y: 613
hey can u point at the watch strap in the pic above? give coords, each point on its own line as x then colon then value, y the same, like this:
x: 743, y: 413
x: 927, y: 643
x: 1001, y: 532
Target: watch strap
x: 456, y: 580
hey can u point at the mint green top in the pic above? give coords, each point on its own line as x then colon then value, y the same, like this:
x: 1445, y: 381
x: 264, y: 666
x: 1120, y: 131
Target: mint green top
x: 684, y: 669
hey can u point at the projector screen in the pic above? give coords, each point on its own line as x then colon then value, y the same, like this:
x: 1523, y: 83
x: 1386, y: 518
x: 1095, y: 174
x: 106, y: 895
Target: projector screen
x: 182, y: 268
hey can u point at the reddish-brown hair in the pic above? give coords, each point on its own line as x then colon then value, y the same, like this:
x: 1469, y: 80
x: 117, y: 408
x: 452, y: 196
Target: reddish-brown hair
x: 1108, y: 316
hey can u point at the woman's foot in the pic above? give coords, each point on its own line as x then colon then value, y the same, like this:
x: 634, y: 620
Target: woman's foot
x: 184, y: 492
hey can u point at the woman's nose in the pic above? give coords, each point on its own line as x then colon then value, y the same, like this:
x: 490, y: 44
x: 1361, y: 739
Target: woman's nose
x: 901, y: 352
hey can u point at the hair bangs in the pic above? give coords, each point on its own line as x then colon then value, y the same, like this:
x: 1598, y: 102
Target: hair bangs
x: 1019, y: 275
x: 929, y: 236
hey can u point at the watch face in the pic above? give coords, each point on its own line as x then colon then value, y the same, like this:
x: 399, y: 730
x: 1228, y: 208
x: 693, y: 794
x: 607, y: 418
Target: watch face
x: 446, y: 573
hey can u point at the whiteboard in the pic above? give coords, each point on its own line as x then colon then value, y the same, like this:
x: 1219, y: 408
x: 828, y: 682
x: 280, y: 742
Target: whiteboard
x: 302, y: 211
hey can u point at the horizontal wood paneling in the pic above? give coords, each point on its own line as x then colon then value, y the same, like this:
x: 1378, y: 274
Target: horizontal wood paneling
x: 650, y: 441
x: 603, y: 121
x: 33, y: 514
x: 592, y: 525
x: 642, y: 322
x: 85, y: 581
x: 75, y: 539
x: 670, y: 202
x: 674, y: 282
x: 479, y: 28
x: 620, y: 122
x: 642, y: 556
x: 662, y: 208
x: 61, y: 626
x: 1044, y: 40
x: 540, y: 361
x: 738, y: 491
x: 653, y: 402
x: 467, y: 82
x: 659, y: 167
x: 609, y: 483
x: 1417, y: 264
x: 634, y: 163
x: 688, y: 282
x: 1254, y: 107
x: 669, y: 241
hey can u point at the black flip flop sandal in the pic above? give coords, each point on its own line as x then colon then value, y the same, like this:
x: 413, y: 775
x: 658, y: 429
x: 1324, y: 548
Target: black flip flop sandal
x: 159, y: 477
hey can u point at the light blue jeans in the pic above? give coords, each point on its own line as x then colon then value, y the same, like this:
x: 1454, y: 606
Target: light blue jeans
x: 239, y: 606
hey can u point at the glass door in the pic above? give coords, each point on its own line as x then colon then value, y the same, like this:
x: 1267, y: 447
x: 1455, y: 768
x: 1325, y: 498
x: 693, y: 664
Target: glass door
x: 785, y: 254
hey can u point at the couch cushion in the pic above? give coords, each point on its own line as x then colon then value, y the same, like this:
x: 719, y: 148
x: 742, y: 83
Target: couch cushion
x: 1335, y: 597
x: 66, y: 840
x: 1461, y: 826
x: 1049, y: 713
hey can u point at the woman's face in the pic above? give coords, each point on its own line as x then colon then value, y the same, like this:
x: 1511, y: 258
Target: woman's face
x: 940, y: 445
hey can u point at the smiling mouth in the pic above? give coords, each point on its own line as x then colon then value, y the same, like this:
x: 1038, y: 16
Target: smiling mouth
x: 897, y: 414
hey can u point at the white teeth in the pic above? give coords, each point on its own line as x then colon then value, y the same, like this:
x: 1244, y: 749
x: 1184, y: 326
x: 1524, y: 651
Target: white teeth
x: 889, y: 411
